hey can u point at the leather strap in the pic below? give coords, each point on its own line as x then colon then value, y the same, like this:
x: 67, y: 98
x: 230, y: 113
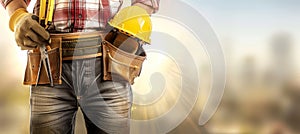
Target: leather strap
x: 78, y: 35
x: 79, y: 45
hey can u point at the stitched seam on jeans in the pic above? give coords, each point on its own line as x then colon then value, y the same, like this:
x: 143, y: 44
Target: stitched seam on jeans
x: 62, y: 77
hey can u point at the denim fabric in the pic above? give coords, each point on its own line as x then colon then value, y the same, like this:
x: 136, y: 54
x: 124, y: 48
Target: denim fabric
x: 105, y: 104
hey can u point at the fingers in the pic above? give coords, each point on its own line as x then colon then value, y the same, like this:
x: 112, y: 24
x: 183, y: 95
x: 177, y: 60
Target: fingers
x: 27, y: 48
x: 22, y: 42
x: 30, y: 40
x: 35, y: 37
x: 34, y: 17
x: 38, y: 29
x: 29, y: 34
x: 28, y: 44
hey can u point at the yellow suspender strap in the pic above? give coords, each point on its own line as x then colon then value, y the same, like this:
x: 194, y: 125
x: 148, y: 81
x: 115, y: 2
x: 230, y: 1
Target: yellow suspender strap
x: 46, y: 16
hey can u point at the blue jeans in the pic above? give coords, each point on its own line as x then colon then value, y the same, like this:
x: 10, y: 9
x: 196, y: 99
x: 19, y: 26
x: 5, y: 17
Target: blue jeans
x: 105, y: 104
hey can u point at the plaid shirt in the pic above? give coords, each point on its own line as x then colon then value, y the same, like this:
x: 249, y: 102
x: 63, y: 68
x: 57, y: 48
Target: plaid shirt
x: 84, y: 15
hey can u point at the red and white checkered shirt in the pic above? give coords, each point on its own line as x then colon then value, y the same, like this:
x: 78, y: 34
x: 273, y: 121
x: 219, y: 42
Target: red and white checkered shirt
x: 84, y: 15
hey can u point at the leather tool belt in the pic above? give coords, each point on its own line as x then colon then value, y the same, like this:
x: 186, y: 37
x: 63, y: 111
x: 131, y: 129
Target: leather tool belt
x: 120, y: 62
x: 120, y: 65
x: 75, y: 46
x: 78, y: 45
x: 66, y: 46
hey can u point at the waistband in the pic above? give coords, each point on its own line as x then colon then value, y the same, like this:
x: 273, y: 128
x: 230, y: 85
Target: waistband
x: 78, y: 45
x: 79, y: 39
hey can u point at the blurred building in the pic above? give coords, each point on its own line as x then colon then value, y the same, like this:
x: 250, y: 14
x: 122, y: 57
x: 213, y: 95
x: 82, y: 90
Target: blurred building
x: 281, y: 65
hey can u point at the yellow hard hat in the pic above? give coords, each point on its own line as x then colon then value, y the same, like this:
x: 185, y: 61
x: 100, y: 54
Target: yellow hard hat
x: 135, y: 21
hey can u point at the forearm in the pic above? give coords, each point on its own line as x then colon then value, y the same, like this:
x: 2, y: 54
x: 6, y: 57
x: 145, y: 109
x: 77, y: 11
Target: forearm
x: 149, y: 9
x: 14, y: 5
x: 151, y: 6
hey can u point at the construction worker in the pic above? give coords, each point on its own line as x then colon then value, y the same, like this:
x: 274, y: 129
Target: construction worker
x: 66, y: 37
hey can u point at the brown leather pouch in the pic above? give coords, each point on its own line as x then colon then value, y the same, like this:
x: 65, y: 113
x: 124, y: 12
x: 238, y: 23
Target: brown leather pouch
x: 33, y: 61
x: 118, y: 64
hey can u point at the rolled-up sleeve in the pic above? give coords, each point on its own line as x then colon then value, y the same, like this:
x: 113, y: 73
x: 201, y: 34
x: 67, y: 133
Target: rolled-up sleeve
x: 6, y: 2
x: 152, y: 3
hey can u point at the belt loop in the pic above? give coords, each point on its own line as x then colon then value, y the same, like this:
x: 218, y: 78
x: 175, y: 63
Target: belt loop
x: 56, y: 42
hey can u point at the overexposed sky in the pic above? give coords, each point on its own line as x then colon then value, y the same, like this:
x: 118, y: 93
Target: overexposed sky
x: 251, y: 20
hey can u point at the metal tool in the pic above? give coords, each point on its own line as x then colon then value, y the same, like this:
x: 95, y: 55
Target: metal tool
x: 46, y: 63
x: 49, y: 16
x: 45, y: 20
x: 46, y: 15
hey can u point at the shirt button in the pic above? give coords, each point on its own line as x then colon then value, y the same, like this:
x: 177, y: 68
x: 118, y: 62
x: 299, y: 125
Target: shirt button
x: 79, y: 15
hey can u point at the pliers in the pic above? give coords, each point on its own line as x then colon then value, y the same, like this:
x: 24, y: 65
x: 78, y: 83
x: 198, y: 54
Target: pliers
x: 46, y: 63
x: 45, y: 19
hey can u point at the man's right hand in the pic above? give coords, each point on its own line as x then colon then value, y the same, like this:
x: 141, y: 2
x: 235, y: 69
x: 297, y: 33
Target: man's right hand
x: 28, y: 32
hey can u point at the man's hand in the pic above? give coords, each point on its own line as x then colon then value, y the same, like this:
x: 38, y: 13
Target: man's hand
x: 28, y: 32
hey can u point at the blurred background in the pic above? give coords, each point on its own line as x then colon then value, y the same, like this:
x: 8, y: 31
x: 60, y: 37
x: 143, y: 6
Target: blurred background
x: 262, y: 92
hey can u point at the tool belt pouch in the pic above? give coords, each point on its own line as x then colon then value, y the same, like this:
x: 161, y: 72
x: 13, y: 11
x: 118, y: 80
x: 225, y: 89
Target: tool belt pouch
x: 120, y: 65
x: 33, y: 62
